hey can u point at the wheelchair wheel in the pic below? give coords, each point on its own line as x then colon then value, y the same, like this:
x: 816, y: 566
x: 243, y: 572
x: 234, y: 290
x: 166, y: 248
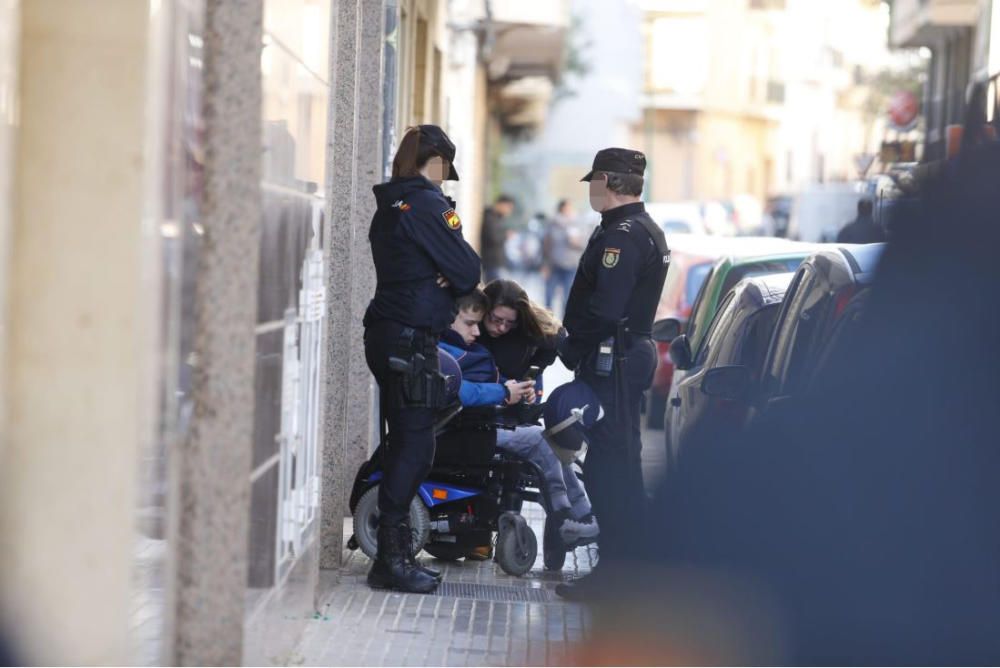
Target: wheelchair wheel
x: 445, y: 551
x: 517, y: 546
x: 553, y: 548
x: 366, y: 523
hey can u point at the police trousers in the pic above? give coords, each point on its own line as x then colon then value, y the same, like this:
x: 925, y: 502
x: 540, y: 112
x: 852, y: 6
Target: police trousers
x: 612, y: 469
x: 409, y: 451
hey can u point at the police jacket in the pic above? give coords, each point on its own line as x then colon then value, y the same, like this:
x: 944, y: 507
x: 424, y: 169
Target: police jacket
x: 416, y: 235
x: 620, y: 275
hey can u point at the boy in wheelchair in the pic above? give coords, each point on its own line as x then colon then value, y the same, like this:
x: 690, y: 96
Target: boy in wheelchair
x: 570, y: 520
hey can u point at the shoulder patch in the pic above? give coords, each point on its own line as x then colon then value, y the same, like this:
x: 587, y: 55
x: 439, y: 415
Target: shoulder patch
x: 610, y: 258
x: 452, y: 220
x: 401, y: 205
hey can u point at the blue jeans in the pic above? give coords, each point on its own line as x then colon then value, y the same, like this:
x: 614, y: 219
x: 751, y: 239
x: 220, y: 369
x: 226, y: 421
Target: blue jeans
x: 558, y: 278
x: 563, y: 487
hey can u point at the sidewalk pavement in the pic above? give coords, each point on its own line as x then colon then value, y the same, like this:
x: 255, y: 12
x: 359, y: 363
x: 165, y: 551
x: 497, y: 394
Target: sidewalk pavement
x: 479, y: 616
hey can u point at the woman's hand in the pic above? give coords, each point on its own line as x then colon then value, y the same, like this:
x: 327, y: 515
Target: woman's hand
x: 519, y: 390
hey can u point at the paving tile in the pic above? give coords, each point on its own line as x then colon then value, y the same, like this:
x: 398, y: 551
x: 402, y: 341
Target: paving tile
x: 377, y: 628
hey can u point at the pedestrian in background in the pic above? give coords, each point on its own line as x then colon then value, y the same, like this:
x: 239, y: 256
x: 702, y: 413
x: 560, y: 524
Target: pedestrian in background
x: 561, y: 251
x: 422, y: 265
x: 493, y: 235
x: 863, y: 229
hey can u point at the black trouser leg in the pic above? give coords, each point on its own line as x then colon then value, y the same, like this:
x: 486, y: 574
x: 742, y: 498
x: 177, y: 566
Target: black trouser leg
x: 613, y: 468
x: 406, y: 462
x: 409, y: 452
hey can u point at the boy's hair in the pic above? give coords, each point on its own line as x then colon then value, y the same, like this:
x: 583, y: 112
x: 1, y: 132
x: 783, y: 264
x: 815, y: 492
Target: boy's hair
x: 475, y: 301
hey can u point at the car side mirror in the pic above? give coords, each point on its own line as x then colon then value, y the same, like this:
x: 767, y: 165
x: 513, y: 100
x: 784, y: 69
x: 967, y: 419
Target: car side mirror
x: 726, y: 382
x: 680, y: 353
x: 667, y: 330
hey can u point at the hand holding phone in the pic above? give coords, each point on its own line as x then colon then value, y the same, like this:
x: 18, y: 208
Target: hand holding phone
x: 531, y: 375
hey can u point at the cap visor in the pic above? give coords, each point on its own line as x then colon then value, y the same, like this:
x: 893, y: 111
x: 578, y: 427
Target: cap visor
x: 452, y: 173
x: 589, y: 176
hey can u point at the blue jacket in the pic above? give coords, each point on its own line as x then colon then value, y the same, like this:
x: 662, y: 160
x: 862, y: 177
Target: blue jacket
x: 482, y: 384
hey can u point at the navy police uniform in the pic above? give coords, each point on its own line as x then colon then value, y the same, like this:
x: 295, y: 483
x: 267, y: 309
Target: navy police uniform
x: 415, y: 236
x: 615, y: 294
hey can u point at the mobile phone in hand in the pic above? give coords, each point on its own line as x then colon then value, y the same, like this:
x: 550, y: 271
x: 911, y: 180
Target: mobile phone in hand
x: 532, y: 373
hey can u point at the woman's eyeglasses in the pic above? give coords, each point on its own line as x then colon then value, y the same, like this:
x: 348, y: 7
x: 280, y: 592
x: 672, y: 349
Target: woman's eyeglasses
x: 499, y: 322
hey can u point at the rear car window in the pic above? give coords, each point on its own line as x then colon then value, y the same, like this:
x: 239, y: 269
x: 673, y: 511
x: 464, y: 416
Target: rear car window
x: 718, y: 329
x: 762, y: 268
x: 695, y: 278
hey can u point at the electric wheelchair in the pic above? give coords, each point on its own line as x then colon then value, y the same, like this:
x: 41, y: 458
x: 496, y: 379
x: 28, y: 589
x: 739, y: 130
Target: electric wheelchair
x: 473, y: 491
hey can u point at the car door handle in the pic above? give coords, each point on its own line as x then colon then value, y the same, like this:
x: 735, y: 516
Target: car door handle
x: 675, y: 401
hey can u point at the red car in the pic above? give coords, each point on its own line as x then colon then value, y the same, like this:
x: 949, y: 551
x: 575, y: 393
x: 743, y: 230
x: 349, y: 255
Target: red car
x: 691, y: 258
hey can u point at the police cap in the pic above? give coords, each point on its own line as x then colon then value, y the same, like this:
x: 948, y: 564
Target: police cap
x: 619, y: 161
x: 435, y: 137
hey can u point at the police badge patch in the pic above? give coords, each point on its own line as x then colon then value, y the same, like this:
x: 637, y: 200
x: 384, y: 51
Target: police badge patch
x: 610, y: 259
x: 452, y: 219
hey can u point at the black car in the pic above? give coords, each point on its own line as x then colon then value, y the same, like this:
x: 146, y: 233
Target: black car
x: 824, y: 302
x: 712, y: 401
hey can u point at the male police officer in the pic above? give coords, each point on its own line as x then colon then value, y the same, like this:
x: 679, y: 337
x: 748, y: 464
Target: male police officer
x: 614, y: 295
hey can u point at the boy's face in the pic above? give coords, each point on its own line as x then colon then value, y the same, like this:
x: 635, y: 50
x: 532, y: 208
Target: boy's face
x: 467, y: 325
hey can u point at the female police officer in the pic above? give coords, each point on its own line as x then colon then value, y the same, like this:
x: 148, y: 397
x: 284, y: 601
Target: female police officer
x: 422, y: 264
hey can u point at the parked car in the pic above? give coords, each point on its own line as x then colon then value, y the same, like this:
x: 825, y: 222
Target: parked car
x: 691, y: 259
x: 733, y: 259
x: 738, y: 336
x: 823, y: 303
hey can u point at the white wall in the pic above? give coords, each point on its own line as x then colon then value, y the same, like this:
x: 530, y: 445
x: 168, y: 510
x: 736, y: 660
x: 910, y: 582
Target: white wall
x: 75, y: 344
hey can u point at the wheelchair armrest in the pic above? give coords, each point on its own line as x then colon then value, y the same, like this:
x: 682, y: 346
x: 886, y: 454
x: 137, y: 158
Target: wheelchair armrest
x: 518, y: 415
x: 446, y: 415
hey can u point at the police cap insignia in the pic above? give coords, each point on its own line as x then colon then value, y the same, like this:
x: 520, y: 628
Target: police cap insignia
x: 610, y: 259
x: 452, y: 219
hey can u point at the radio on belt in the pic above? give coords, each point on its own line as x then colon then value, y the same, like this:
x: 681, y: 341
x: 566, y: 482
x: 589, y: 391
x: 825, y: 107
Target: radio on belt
x: 605, y: 359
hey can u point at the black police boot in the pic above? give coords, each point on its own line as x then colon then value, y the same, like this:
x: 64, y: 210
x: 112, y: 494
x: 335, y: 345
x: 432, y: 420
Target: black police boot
x: 406, y: 540
x: 392, y: 569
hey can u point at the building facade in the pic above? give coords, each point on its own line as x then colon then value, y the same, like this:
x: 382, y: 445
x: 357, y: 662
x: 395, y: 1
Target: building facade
x: 755, y: 98
x: 961, y: 38
x: 185, y: 191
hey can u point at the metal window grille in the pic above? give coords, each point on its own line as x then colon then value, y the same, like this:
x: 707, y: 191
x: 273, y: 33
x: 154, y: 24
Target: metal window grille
x: 298, y: 491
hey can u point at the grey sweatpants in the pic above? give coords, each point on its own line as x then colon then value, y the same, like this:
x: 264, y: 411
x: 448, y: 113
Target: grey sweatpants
x: 563, y: 487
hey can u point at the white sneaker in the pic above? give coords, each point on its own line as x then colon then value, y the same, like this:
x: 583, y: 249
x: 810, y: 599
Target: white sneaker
x: 577, y: 532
